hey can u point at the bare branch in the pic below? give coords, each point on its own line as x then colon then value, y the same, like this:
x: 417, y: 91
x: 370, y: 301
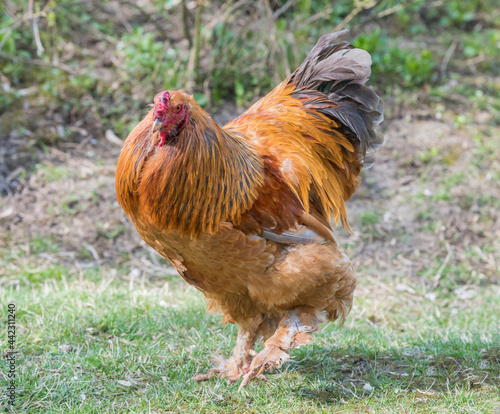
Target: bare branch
x: 185, y: 23
x: 360, y: 5
x: 283, y: 9
x: 447, y: 57
x: 38, y: 62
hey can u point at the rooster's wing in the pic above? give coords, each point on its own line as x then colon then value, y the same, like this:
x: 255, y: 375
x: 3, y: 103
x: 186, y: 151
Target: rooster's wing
x: 315, y: 132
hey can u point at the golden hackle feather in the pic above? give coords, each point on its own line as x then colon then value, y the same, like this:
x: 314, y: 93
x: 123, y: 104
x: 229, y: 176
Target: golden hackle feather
x: 131, y: 162
x: 207, y: 177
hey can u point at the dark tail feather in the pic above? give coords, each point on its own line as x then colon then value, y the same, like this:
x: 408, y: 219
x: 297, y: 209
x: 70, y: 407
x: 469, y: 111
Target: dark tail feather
x: 340, y: 71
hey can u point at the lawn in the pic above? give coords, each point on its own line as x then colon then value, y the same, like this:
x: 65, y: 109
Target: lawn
x: 97, y: 341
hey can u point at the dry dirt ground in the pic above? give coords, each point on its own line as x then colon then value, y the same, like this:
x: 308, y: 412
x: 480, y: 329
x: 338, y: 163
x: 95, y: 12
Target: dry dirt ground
x: 429, y: 204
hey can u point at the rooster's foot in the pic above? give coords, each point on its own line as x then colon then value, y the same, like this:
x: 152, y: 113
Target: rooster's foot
x: 293, y: 331
x: 238, y: 364
x: 229, y: 368
x: 269, y: 358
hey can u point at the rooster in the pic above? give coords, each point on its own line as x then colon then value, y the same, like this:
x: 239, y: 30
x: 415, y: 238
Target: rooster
x: 244, y: 212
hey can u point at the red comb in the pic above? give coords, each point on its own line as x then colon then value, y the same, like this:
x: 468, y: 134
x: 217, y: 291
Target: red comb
x: 162, y: 105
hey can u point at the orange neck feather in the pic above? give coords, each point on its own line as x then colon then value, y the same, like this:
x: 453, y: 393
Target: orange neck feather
x: 190, y: 186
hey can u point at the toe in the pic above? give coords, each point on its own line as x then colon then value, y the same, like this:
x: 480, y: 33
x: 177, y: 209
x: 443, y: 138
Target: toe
x: 201, y: 377
x: 266, y: 360
x: 205, y: 377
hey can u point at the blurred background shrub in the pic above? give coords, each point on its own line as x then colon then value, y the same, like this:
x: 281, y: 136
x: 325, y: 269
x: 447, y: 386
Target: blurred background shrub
x: 98, y: 62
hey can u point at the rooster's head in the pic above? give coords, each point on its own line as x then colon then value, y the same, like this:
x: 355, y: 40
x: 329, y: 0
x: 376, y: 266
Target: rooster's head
x: 170, y: 115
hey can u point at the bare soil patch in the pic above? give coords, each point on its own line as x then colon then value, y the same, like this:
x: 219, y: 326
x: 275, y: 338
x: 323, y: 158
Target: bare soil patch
x: 407, y: 218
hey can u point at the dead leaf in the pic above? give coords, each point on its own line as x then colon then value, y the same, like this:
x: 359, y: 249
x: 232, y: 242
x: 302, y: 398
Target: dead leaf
x: 66, y: 348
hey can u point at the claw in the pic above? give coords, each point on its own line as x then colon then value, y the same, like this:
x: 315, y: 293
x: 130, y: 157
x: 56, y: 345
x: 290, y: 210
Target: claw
x: 246, y: 379
x: 205, y: 377
x: 268, y: 359
x: 244, y: 382
x: 228, y: 368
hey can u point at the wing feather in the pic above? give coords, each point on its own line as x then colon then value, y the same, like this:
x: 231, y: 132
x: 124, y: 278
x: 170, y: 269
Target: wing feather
x: 317, y: 127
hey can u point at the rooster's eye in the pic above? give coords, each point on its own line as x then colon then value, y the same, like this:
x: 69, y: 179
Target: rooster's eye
x: 177, y: 108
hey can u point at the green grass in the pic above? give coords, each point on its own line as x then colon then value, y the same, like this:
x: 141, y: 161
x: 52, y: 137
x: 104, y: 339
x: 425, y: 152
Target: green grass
x: 98, y: 342
x: 51, y: 173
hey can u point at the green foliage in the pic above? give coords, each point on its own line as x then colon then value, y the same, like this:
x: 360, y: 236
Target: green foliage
x: 50, y: 173
x: 228, y: 76
x: 16, y: 42
x: 457, y: 14
x: 368, y: 219
x: 98, y: 61
x: 394, y: 65
x: 43, y: 245
x: 149, y: 62
x: 428, y: 155
x: 485, y: 43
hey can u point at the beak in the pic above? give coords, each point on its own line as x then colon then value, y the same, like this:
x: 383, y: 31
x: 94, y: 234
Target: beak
x: 156, y: 126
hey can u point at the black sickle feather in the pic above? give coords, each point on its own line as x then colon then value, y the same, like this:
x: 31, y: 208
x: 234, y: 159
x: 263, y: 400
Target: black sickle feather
x: 333, y: 77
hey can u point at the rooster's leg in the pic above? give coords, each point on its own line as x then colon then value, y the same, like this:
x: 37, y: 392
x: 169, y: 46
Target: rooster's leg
x: 293, y: 331
x: 239, y: 362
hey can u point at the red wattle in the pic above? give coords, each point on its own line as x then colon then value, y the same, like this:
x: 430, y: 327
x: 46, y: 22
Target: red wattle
x: 163, y: 138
